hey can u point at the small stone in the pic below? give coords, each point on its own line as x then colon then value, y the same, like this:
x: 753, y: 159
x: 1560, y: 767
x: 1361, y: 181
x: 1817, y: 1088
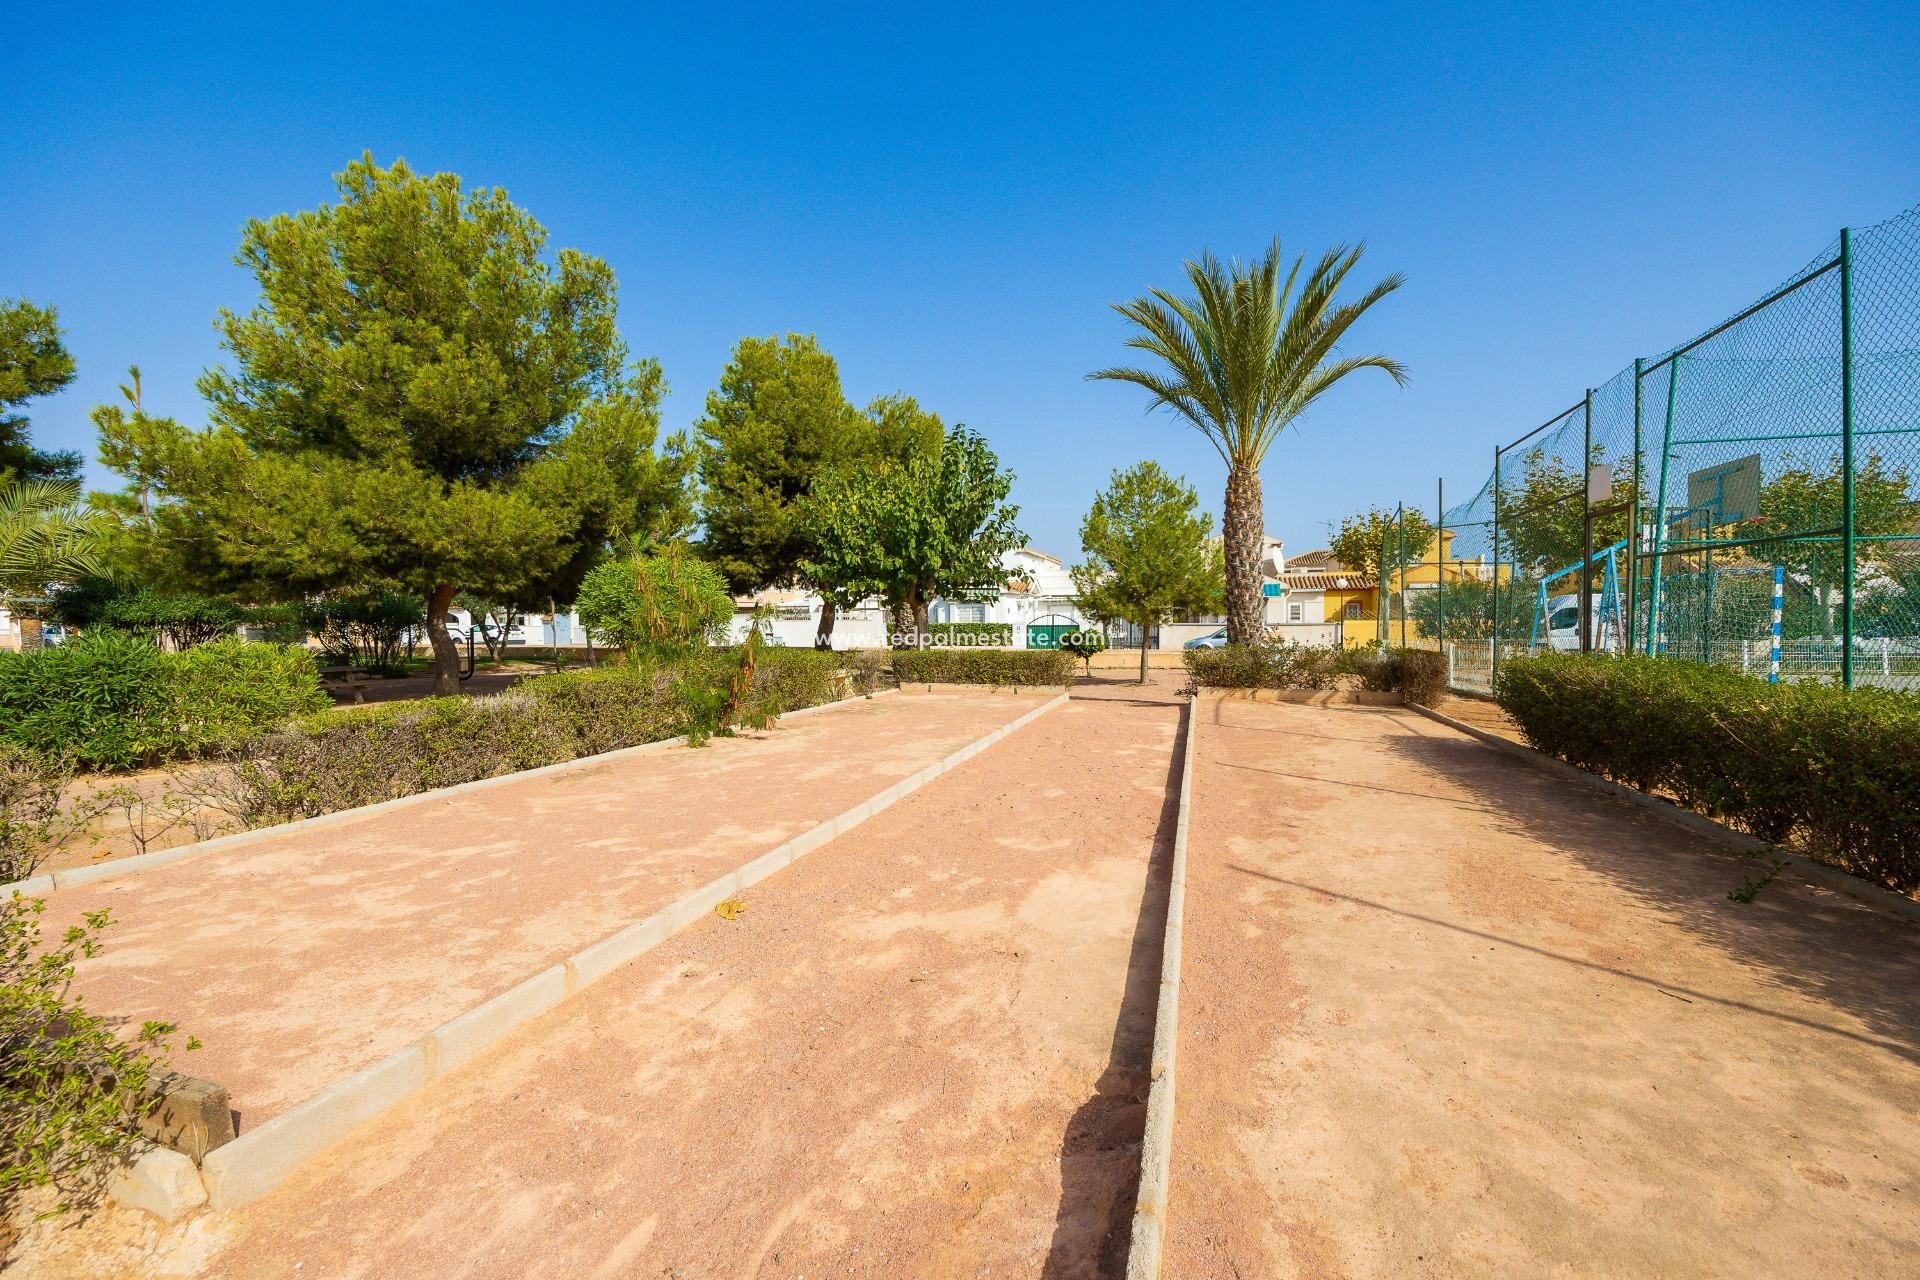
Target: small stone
x: 161, y: 1182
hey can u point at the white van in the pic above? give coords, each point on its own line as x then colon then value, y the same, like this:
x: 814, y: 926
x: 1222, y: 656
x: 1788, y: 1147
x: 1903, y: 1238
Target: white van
x: 1563, y: 625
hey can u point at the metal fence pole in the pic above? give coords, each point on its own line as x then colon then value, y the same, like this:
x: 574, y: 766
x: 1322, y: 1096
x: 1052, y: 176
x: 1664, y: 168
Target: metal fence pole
x: 1633, y: 518
x: 1586, y: 530
x: 1440, y: 558
x: 1654, y: 638
x: 1846, y: 455
x: 1400, y: 555
x: 1493, y: 643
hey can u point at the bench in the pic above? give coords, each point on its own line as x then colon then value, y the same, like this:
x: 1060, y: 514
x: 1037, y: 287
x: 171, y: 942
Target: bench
x: 355, y: 680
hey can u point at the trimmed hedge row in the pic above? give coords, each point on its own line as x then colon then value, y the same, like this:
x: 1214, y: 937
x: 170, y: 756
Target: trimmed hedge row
x: 344, y: 760
x: 110, y: 700
x: 1025, y: 667
x: 1420, y: 675
x: 1831, y: 769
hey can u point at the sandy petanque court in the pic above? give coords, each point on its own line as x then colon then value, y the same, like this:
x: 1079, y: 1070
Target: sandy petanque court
x: 1446, y: 1015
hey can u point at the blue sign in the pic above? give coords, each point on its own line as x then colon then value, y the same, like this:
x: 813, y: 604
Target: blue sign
x: 1273, y: 590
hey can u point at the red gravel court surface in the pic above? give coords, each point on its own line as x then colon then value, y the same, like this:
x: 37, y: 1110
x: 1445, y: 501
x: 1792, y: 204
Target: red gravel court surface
x: 300, y: 959
x: 1444, y: 1014
x: 919, y: 1052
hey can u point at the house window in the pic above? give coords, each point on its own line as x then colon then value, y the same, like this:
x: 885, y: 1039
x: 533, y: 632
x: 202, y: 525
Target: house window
x: 968, y: 613
x: 1353, y: 609
x: 1294, y: 613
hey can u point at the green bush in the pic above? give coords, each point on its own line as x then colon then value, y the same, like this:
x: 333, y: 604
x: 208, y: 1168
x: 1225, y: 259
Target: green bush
x: 99, y: 698
x: 179, y: 618
x: 32, y: 820
x: 1267, y: 666
x: 72, y: 1088
x: 111, y: 700
x: 366, y: 631
x: 1418, y: 675
x: 665, y: 603
x: 346, y: 759
x: 976, y: 634
x: 1827, y: 768
x: 1034, y: 668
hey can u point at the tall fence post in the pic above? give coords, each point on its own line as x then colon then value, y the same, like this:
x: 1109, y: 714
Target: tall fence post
x: 1440, y: 558
x: 1493, y: 641
x: 1633, y: 518
x: 1586, y: 528
x: 1846, y: 455
x: 1655, y: 640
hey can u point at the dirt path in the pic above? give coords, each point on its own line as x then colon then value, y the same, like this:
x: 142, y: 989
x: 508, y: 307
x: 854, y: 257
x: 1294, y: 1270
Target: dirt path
x: 1444, y: 1015
x: 918, y: 1053
x: 302, y: 959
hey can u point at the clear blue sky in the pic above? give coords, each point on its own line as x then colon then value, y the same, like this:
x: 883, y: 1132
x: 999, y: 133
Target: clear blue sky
x: 951, y: 196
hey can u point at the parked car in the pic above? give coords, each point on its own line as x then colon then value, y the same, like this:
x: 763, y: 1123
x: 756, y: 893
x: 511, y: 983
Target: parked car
x: 1212, y: 640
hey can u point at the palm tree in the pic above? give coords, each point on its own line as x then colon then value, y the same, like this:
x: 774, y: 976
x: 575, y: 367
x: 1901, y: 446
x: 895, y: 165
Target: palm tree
x: 44, y: 538
x: 1241, y: 360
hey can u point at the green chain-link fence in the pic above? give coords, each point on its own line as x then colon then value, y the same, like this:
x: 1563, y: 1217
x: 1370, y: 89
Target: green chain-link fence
x: 1748, y: 499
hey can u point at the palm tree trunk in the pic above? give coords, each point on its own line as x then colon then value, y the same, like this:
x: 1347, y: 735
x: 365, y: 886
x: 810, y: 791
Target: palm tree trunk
x: 1243, y: 529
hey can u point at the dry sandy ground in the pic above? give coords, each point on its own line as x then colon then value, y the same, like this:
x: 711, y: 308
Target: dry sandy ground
x: 1444, y: 1015
x: 920, y: 1052
x: 301, y: 959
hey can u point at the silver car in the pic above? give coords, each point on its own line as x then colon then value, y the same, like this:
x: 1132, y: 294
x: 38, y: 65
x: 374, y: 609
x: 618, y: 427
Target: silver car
x: 1212, y: 640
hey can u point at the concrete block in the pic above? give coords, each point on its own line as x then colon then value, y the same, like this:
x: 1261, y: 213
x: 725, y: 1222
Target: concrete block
x: 482, y: 1027
x: 603, y: 957
x: 702, y: 900
x: 194, y: 1116
x: 33, y: 887
x: 259, y: 1160
x: 160, y: 1182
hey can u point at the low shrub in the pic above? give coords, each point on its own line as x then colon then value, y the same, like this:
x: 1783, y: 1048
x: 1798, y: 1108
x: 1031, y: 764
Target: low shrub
x: 32, y: 820
x: 111, y: 700
x: 1035, y: 668
x: 1827, y: 768
x: 976, y: 634
x: 343, y: 760
x: 1267, y: 666
x: 72, y: 1086
x: 1418, y: 675
x: 367, y: 631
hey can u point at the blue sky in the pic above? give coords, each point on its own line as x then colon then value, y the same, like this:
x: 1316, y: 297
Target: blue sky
x: 951, y: 196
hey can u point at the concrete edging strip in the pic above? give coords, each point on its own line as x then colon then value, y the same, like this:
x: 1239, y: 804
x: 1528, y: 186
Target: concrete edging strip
x: 117, y: 867
x: 259, y: 1160
x: 1819, y: 872
x: 1156, y: 1146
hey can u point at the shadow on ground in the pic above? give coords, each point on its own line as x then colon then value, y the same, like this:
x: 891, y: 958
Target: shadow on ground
x: 1823, y: 944
x: 1100, y: 1151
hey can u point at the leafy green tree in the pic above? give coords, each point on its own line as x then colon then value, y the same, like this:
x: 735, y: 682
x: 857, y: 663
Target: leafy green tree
x: 1240, y: 361
x: 1468, y: 606
x: 777, y: 420
x: 1542, y: 510
x: 1150, y: 553
x: 1380, y: 544
x: 45, y: 538
x: 936, y: 524
x: 421, y: 400
x: 1803, y: 500
x: 657, y: 605
x: 33, y: 362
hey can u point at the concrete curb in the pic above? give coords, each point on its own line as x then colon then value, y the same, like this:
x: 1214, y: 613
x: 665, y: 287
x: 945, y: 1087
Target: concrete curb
x: 259, y: 1160
x: 113, y: 870
x: 1819, y: 872
x: 1156, y: 1146
x: 1309, y: 697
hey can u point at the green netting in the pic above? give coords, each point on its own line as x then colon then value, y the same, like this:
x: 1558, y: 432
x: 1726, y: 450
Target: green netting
x: 1764, y: 510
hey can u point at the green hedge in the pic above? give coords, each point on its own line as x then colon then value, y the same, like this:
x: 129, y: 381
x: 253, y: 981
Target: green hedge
x: 1267, y: 666
x: 1023, y: 667
x: 976, y: 634
x: 1827, y: 768
x: 1418, y: 675
x: 347, y: 759
x: 110, y: 700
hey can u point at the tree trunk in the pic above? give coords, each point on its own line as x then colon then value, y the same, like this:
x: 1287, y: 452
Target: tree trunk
x: 920, y: 629
x: 900, y: 620
x: 1243, y: 530
x: 1146, y: 638
x: 446, y: 654
x: 823, y: 633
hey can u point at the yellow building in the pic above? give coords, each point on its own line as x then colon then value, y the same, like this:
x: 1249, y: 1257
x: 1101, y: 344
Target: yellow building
x: 1323, y: 590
